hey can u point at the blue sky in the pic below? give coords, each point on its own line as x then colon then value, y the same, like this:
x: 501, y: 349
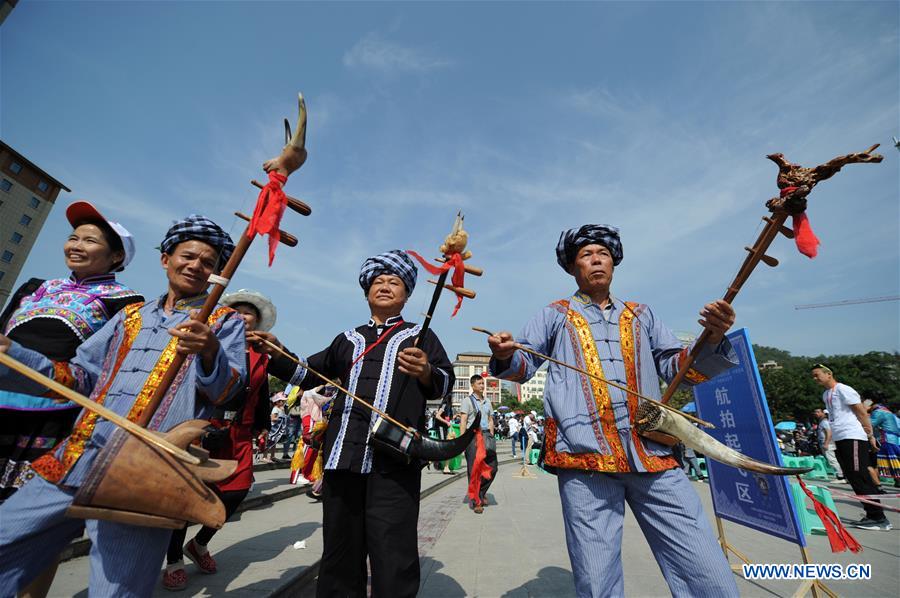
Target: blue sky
x: 530, y: 118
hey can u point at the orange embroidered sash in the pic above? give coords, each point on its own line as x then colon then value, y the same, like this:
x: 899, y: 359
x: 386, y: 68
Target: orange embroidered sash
x: 617, y: 460
x: 629, y: 356
x: 48, y: 466
x: 53, y: 469
x: 162, y: 364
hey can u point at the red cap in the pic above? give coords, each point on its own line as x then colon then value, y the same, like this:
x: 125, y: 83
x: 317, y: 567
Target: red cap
x: 81, y: 211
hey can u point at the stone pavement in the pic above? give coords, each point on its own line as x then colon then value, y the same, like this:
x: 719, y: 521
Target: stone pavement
x: 516, y: 548
x: 255, y: 550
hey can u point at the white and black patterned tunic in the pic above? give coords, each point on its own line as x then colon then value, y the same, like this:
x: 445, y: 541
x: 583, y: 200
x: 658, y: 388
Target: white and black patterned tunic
x: 375, y: 378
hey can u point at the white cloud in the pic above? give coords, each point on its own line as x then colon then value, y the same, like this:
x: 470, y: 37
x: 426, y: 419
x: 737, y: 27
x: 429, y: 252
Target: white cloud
x: 377, y: 53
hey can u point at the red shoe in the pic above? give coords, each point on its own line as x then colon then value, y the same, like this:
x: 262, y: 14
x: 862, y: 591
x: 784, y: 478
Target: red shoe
x: 204, y: 562
x: 175, y: 580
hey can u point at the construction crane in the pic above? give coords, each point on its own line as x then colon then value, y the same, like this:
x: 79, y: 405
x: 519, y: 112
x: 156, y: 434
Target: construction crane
x: 848, y: 302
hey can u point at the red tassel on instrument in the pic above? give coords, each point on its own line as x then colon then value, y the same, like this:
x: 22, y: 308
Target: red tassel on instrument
x: 268, y: 212
x: 806, y: 240
x: 838, y: 535
x: 480, y: 469
x: 455, y: 261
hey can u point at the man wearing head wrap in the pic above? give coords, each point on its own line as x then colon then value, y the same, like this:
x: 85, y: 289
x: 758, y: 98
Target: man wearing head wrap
x: 123, y: 361
x: 371, y: 499
x: 589, y: 436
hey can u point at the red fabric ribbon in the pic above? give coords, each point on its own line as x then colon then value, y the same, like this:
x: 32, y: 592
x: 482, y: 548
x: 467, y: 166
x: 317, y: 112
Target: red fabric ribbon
x: 838, y: 535
x: 480, y: 469
x: 455, y: 261
x: 806, y: 240
x: 268, y: 212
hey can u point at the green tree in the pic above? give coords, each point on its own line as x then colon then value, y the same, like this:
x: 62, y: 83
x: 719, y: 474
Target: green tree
x: 530, y: 405
x: 276, y: 385
x: 682, y: 397
x: 507, y: 397
x: 792, y: 393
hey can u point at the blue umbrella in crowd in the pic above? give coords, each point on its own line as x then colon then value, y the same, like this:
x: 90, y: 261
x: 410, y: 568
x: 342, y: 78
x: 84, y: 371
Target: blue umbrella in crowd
x: 786, y: 426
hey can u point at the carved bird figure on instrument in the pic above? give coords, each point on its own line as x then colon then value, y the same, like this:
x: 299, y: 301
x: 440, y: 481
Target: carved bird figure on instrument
x: 293, y: 155
x: 803, y: 179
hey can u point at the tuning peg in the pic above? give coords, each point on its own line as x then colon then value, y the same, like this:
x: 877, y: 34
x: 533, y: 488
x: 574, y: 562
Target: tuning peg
x: 473, y: 270
x: 781, y: 228
x: 467, y: 293
x: 286, y: 238
x: 295, y: 204
x: 766, y: 259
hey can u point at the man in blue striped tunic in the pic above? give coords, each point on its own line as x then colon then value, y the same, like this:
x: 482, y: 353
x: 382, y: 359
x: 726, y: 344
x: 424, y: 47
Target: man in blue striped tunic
x: 119, y: 367
x: 589, y: 437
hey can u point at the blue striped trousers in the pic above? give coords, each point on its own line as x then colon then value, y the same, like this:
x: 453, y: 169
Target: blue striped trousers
x: 671, y: 517
x: 125, y: 559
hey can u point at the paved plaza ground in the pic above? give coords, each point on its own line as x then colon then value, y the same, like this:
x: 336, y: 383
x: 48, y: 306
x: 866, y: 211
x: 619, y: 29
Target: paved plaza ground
x: 515, y: 549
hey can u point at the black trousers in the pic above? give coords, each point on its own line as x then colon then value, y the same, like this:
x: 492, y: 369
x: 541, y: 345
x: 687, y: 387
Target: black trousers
x: 490, y: 459
x: 371, y: 515
x: 231, y: 500
x: 853, y: 455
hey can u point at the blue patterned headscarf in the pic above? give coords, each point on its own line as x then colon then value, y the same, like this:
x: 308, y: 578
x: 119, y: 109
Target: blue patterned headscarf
x: 570, y: 241
x: 198, y: 228
x: 394, y: 262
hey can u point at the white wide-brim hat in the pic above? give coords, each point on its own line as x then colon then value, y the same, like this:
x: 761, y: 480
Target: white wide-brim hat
x: 266, y: 309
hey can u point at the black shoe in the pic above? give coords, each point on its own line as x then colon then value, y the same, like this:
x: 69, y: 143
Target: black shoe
x: 882, y: 524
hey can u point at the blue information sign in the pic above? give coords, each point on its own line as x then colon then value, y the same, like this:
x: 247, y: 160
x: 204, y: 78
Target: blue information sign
x: 735, y: 403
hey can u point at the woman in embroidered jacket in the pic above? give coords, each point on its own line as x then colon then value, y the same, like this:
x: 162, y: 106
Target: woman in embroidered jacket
x: 53, y: 317
x: 120, y: 367
x: 600, y: 460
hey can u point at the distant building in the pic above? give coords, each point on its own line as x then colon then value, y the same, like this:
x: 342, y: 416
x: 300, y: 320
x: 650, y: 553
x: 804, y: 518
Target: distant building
x: 534, y: 388
x: 27, y: 195
x: 468, y: 365
x: 770, y: 365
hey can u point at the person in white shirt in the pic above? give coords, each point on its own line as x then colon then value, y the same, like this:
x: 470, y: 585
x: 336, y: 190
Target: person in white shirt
x: 826, y: 443
x: 513, y: 433
x: 529, y: 435
x: 852, y: 433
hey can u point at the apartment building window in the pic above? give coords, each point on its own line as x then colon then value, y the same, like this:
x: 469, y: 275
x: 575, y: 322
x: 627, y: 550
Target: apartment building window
x: 16, y: 238
x: 2, y: 274
x: 6, y: 185
x: 25, y: 220
x: 7, y: 257
x: 35, y: 202
x: 43, y: 186
x: 15, y: 168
